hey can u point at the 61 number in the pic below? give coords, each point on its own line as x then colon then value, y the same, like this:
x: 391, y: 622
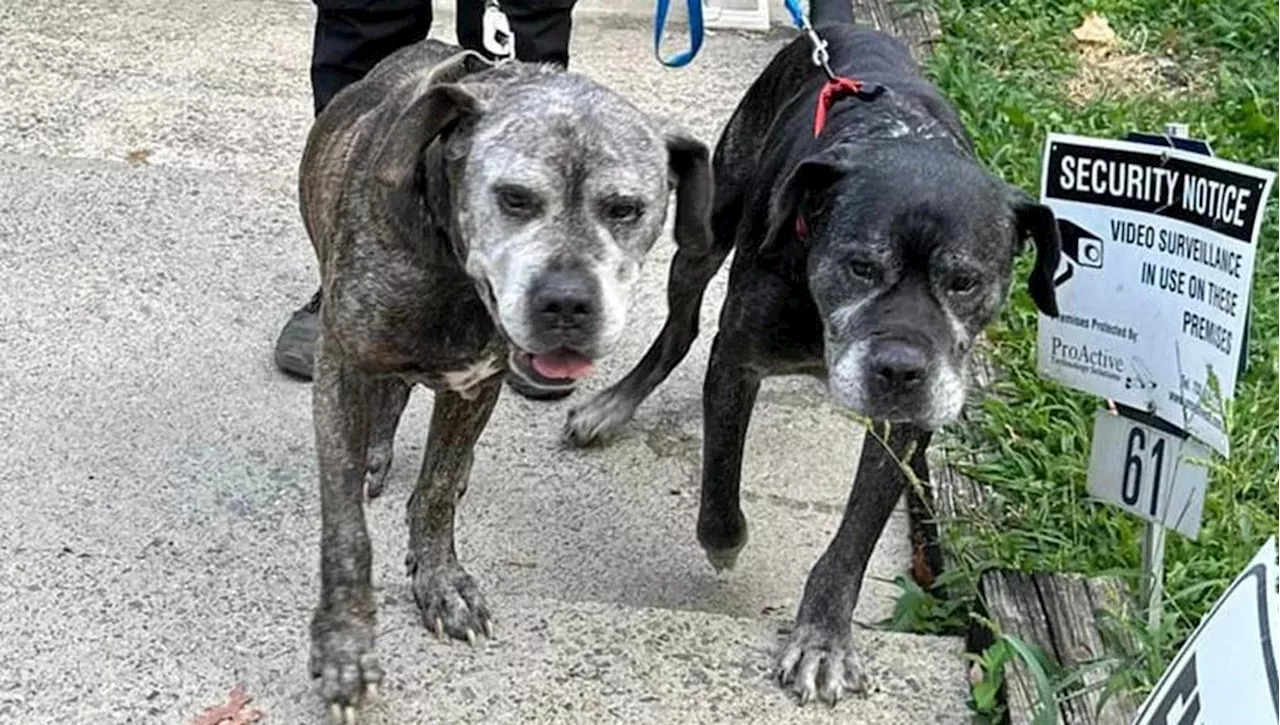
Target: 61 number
x: 1131, y: 482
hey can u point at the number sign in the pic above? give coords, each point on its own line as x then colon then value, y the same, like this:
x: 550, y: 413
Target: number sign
x: 1148, y: 472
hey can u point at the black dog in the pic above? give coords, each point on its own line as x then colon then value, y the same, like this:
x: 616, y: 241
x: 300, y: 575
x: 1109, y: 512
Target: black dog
x: 872, y: 256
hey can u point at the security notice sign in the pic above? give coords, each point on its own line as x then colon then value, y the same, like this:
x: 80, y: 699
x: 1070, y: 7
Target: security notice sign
x: 1226, y: 672
x: 1153, y: 289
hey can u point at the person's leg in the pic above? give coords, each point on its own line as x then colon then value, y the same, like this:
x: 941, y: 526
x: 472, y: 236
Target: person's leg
x: 470, y: 25
x: 351, y: 37
x: 542, y: 29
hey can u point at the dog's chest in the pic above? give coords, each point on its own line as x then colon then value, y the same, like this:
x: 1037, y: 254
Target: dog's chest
x: 464, y: 381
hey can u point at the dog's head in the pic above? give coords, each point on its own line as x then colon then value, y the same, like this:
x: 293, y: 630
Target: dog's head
x: 559, y: 188
x: 910, y: 253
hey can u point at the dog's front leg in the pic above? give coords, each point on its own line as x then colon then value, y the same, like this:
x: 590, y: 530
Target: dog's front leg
x: 611, y: 409
x: 447, y: 596
x: 728, y: 397
x: 819, y: 660
x: 342, y: 629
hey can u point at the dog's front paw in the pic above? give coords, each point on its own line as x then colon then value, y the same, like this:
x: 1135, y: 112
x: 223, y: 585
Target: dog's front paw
x: 343, y: 660
x: 821, y: 663
x: 450, y: 602
x: 722, y: 533
x: 596, y: 420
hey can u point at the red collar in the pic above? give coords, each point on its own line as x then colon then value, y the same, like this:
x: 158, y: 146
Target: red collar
x: 833, y: 90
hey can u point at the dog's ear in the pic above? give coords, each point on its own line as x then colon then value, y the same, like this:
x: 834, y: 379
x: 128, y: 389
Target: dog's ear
x: 1038, y: 222
x: 689, y: 166
x: 810, y: 176
x: 433, y: 106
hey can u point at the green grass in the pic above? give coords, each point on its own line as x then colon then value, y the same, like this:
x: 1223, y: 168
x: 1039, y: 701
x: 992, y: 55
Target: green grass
x: 1003, y: 64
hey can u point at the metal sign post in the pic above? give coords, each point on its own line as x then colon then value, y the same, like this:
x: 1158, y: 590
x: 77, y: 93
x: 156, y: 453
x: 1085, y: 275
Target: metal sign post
x: 1153, y: 533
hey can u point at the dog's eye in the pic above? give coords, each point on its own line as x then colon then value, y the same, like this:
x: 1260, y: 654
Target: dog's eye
x: 624, y: 210
x: 865, y: 270
x: 962, y: 283
x: 517, y: 202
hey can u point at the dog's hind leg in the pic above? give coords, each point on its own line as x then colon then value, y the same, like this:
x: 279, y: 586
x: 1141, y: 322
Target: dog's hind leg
x: 448, y: 598
x: 390, y: 397
x: 342, y: 629
x: 819, y: 661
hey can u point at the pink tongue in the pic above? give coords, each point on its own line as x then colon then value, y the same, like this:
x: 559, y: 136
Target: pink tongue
x: 562, y: 365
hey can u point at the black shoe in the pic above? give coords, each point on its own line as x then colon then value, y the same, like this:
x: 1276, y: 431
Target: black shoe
x: 296, y: 346
x: 518, y: 384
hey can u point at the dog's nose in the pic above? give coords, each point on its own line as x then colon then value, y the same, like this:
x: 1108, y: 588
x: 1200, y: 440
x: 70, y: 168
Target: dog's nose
x: 899, y: 366
x: 565, y: 301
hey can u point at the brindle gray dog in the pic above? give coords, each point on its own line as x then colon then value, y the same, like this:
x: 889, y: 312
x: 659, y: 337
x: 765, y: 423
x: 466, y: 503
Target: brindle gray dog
x: 465, y: 218
x: 871, y: 256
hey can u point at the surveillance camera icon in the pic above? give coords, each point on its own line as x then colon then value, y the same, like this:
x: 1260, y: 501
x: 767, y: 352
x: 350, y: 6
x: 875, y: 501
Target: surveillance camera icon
x: 1080, y: 245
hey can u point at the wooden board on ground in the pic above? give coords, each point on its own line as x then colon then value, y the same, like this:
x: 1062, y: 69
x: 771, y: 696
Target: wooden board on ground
x: 916, y: 23
x: 1059, y: 613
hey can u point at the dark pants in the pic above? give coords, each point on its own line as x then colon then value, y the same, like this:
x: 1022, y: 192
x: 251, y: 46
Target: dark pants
x: 352, y: 36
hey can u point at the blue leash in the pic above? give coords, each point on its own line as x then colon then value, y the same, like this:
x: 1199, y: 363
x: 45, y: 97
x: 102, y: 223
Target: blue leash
x: 695, y: 32
x: 797, y: 13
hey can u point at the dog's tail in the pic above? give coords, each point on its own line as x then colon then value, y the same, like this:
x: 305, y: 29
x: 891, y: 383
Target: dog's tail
x: 831, y: 12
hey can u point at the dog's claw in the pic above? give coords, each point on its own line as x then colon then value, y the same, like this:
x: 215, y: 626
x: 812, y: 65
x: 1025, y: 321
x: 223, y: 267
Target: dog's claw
x: 819, y: 664
x: 344, y: 662
x: 450, y: 602
x: 488, y: 629
x: 787, y: 664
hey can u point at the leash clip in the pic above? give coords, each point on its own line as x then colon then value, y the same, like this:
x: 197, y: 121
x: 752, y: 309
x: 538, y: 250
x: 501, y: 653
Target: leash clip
x: 496, y: 31
x: 820, y: 57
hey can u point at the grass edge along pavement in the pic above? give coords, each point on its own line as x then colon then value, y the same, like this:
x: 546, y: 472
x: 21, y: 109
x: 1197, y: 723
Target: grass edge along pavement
x: 1012, y: 71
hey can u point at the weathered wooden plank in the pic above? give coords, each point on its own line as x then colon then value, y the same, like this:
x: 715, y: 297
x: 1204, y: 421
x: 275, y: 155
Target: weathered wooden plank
x: 914, y: 22
x: 1108, y: 596
x: 1060, y: 614
x: 1012, y: 600
x: 1073, y: 616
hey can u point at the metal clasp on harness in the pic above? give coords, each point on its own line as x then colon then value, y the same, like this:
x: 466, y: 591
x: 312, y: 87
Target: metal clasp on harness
x: 496, y: 31
x: 820, y: 57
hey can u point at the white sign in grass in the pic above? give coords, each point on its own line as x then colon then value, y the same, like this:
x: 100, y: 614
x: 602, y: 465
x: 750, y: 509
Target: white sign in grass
x: 1158, y: 257
x: 1226, y: 672
x: 1149, y: 472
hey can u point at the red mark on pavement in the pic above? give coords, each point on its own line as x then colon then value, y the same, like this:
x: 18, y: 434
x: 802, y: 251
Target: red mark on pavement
x: 235, y: 712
